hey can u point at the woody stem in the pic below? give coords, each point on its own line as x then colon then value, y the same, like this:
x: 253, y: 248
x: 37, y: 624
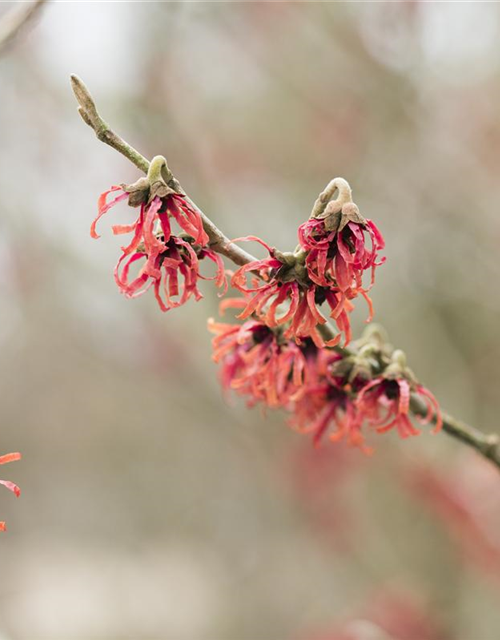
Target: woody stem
x: 487, y: 445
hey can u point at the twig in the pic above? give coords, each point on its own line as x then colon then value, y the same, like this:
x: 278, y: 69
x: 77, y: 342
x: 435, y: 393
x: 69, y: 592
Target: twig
x: 487, y: 445
x: 13, y: 21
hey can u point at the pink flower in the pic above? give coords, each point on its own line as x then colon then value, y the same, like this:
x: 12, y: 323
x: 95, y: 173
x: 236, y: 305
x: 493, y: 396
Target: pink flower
x: 328, y: 409
x: 467, y: 505
x: 170, y: 263
x: 337, y: 254
x: 334, y: 241
x: 344, y: 398
x: 280, y: 281
x: 321, y: 478
x: 264, y: 365
x: 174, y: 273
x: 385, y: 404
x: 9, y: 457
x: 258, y: 362
x: 392, y: 613
x: 162, y: 210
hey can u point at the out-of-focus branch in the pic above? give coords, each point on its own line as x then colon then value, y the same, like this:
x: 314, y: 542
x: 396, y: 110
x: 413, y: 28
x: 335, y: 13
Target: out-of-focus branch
x: 15, y: 19
x: 487, y: 445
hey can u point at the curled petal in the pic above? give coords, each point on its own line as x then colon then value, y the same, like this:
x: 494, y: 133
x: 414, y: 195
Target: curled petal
x: 5, y: 459
x: 433, y: 409
x: 103, y: 207
x: 11, y: 487
x: 187, y: 218
x: 220, y: 275
x: 253, y: 239
x: 10, y: 457
x: 404, y: 397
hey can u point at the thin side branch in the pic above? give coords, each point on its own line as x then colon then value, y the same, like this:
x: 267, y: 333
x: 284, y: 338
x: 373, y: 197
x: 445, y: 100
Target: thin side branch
x: 486, y: 445
x: 104, y: 133
x: 13, y: 21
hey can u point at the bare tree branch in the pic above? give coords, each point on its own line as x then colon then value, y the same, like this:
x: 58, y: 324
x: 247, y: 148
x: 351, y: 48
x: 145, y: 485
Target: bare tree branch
x: 486, y: 445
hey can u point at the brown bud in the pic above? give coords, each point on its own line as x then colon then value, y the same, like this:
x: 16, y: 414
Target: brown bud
x: 138, y: 192
x: 159, y: 189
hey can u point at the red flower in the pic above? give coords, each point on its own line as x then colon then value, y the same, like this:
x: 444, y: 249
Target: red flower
x: 329, y: 408
x: 284, y: 283
x: 174, y: 205
x: 468, y: 505
x: 262, y: 364
x: 385, y: 403
x: 178, y: 259
x: 9, y: 457
x: 167, y: 257
x: 258, y: 362
x: 338, y: 258
x: 393, y: 613
x: 334, y: 240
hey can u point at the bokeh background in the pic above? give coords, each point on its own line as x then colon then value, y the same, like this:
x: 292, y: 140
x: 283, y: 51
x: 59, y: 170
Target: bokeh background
x: 152, y: 507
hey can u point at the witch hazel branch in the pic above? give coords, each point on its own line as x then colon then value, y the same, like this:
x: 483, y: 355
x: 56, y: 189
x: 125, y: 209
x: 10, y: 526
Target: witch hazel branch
x: 290, y: 345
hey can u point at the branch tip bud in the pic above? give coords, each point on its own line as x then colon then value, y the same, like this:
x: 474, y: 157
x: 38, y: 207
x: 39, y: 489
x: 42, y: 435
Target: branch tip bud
x: 84, y: 99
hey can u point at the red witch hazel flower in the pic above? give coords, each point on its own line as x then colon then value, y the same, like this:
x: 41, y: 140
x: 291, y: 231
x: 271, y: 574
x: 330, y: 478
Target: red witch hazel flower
x: 9, y: 457
x: 169, y: 263
x: 281, y: 280
x: 328, y: 408
x: 385, y: 401
x: 258, y: 362
x: 334, y: 239
x: 261, y: 363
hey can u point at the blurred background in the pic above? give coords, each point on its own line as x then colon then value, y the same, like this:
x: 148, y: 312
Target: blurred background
x: 152, y: 507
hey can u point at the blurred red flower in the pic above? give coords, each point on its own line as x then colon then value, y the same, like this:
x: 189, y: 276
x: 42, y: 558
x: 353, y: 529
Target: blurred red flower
x: 390, y: 615
x: 9, y: 457
x: 385, y: 404
x: 258, y: 362
x: 467, y: 504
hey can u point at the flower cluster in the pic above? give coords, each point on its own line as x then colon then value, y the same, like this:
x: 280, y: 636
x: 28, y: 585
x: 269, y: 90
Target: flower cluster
x: 283, y: 354
x: 341, y: 396
x: 259, y: 362
x: 327, y: 268
x: 9, y: 457
x: 169, y: 263
x: 280, y: 281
